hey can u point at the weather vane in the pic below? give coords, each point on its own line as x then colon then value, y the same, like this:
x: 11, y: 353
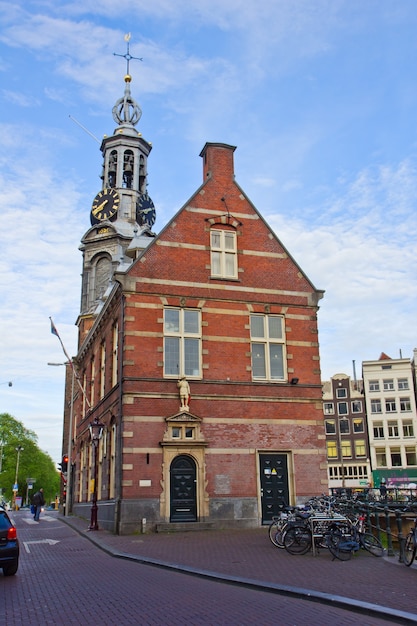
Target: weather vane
x: 127, y: 55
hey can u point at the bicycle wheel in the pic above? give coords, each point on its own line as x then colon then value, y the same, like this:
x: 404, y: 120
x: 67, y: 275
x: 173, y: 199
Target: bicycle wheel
x: 409, y: 549
x: 297, y: 540
x: 339, y: 546
x: 371, y: 543
x: 275, y: 533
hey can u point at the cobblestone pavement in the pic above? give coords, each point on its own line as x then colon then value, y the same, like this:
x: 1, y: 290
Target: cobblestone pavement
x: 247, y: 556
x: 65, y: 580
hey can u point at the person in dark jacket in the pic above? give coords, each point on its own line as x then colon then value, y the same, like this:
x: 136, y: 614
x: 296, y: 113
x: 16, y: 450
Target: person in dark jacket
x: 383, y: 489
x: 38, y: 501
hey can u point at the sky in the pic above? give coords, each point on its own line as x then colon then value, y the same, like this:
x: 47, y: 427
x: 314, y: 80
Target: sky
x: 320, y: 98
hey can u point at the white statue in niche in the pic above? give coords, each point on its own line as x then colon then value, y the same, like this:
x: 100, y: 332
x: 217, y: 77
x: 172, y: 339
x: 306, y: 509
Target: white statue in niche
x: 184, y: 391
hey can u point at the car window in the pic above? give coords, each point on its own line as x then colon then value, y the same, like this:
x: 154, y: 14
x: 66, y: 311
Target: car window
x: 4, y: 521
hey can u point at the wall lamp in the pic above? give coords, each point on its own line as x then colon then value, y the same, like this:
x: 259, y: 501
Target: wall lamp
x: 294, y: 381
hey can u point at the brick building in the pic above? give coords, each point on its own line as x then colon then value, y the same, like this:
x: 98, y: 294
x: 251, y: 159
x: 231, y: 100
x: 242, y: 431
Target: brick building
x: 215, y: 302
x: 346, y: 433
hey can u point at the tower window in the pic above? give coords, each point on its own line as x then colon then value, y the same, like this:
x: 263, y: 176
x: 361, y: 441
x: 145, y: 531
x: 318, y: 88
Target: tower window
x: 128, y: 163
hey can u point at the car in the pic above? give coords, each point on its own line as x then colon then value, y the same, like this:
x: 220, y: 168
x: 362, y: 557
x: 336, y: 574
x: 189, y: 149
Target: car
x: 9, y: 544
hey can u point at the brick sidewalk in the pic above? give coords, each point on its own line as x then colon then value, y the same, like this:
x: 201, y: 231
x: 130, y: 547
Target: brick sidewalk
x: 249, y: 555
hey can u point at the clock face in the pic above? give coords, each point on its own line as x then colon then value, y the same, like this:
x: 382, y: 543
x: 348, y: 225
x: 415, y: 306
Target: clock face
x: 145, y: 211
x: 105, y: 206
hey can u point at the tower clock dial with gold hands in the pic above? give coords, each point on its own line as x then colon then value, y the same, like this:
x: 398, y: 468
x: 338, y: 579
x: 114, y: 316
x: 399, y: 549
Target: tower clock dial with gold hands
x: 105, y: 206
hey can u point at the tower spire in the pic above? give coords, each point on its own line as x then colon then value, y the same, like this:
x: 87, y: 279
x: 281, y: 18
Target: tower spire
x: 127, y: 54
x: 126, y: 111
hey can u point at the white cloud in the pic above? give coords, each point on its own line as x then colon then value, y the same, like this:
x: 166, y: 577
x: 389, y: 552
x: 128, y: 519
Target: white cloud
x: 318, y: 98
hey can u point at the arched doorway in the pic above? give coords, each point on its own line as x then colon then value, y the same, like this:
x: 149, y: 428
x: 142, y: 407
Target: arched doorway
x: 183, y: 491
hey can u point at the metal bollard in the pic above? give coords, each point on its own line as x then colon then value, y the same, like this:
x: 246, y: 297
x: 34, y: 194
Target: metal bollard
x: 399, y: 521
x: 390, y: 551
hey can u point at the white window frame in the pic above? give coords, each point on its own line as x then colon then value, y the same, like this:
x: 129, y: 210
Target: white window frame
x: 343, y: 408
x: 388, y: 384
x: 374, y: 385
x: 223, y: 255
x: 263, y: 345
x: 378, y: 430
x: 328, y: 408
x: 393, y: 430
x: 405, y: 405
x: 408, y: 429
x: 182, y: 337
x: 376, y: 406
x: 403, y: 384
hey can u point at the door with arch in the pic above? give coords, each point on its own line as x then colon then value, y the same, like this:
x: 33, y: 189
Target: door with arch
x: 183, y: 491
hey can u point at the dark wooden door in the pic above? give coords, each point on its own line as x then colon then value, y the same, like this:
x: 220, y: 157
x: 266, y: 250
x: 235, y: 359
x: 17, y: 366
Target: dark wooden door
x: 274, y: 484
x: 183, y: 489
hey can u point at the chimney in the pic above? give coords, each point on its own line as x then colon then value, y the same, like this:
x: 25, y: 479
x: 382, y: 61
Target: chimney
x: 218, y: 161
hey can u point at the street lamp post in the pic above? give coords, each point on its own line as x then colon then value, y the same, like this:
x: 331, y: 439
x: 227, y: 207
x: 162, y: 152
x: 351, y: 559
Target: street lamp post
x: 68, y: 485
x: 96, y: 430
x: 19, y: 449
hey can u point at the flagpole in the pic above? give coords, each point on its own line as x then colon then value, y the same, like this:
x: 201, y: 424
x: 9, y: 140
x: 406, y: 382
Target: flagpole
x: 55, y: 332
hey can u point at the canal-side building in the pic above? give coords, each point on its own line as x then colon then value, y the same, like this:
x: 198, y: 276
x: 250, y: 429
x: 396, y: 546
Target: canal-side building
x: 392, y: 420
x: 198, y: 354
x: 348, y: 461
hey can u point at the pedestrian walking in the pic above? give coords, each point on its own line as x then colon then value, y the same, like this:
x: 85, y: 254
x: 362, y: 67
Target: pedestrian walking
x: 38, y: 501
x: 383, y: 489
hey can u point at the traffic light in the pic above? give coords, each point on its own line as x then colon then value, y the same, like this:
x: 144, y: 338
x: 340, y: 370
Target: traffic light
x: 64, y: 464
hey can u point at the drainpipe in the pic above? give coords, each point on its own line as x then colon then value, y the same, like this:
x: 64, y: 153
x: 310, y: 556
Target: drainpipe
x: 119, y: 439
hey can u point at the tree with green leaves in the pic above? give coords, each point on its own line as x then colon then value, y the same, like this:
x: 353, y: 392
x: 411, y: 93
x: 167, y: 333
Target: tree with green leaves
x: 33, y: 462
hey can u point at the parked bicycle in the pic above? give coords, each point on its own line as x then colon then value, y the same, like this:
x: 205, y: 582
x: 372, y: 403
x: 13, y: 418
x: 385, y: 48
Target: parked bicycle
x: 282, y: 522
x: 410, y: 545
x: 342, y: 542
x: 340, y: 535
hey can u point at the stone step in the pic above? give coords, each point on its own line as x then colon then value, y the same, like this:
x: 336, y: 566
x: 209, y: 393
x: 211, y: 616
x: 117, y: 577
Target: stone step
x: 165, y: 527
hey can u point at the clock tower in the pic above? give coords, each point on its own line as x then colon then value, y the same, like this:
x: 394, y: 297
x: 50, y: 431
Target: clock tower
x: 122, y: 213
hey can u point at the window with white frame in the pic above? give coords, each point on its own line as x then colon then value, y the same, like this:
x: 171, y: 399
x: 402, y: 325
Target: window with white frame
x: 360, y: 448
x: 331, y: 450
x: 342, y: 408
x: 341, y: 392
x: 390, y: 406
x: 403, y: 384
x: 396, y: 460
x: 223, y: 253
x: 356, y: 406
x: 182, y: 342
x: 376, y: 406
x: 330, y: 427
x: 378, y: 430
x: 374, y: 385
x: 393, y: 431
x: 405, y: 405
x: 344, y: 426
x: 358, y: 426
x: 346, y: 449
x: 267, y: 347
x: 328, y: 408
x: 408, y: 428
x: 381, y: 457
x: 410, y: 455
x: 388, y: 384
